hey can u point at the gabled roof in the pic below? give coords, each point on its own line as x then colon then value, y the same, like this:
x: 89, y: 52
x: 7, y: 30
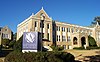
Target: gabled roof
x: 42, y: 11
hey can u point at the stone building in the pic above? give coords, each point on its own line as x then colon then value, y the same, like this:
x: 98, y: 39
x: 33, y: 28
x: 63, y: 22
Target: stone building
x: 59, y: 33
x: 5, y: 33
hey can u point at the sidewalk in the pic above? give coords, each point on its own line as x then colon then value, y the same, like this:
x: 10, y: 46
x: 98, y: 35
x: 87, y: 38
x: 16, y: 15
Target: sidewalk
x: 85, y: 55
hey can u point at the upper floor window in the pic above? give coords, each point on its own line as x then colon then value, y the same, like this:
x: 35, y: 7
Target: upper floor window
x: 41, y: 25
x: 72, y: 30
x: 68, y: 29
x: 5, y: 29
x: 42, y: 16
x: 58, y: 28
x: 63, y: 29
x: 48, y: 26
x: 35, y: 24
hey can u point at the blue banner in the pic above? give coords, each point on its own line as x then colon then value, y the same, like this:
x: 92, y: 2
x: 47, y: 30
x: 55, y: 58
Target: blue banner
x: 30, y: 41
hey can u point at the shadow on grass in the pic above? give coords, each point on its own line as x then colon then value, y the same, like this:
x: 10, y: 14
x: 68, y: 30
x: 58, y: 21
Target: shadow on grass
x: 4, y: 53
x: 95, y: 58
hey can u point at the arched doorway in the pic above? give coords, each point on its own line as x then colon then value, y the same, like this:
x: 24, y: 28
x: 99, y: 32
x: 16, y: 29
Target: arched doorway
x: 74, y: 40
x: 83, y: 41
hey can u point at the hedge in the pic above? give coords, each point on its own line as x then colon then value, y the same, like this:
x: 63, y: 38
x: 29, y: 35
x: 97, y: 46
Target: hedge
x: 39, y: 57
x: 87, y: 48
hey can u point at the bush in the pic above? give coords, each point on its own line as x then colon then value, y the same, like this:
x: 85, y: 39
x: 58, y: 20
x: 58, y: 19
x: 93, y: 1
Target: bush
x: 18, y: 44
x: 11, y: 44
x: 79, y: 48
x: 88, y: 48
x: 39, y: 57
x: 92, y: 41
x: 55, y: 48
x: 5, y: 43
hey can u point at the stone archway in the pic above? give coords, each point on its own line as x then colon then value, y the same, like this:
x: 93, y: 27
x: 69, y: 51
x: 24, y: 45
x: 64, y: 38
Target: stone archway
x: 83, y: 41
x: 74, y: 41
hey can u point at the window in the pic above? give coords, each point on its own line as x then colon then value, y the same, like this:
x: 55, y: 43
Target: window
x: 63, y: 38
x: 62, y: 29
x: 4, y: 35
x: 48, y: 26
x: 64, y: 46
x: 68, y: 38
x: 59, y: 28
x: 42, y: 35
x: 72, y: 30
x: 59, y: 37
x: 67, y: 29
x: 35, y: 24
x: 41, y: 25
x: 5, y: 29
x: 48, y: 36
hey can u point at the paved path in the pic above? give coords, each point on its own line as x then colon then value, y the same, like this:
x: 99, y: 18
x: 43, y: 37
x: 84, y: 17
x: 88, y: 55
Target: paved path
x: 2, y: 59
x: 86, y: 55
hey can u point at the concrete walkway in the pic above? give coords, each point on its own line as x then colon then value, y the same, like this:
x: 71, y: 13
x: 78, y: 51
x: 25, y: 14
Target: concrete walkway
x: 85, y: 55
x: 2, y: 59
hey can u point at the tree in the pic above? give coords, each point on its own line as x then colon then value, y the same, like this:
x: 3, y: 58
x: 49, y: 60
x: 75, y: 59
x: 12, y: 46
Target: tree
x: 96, y: 19
x: 18, y: 44
x: 92, y: 41
x: 14, y: 36
x: 11, y: 44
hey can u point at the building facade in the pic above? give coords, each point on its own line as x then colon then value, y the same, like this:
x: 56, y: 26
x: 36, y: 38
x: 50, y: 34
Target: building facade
x: 5, y: 33
x: 58, y: 33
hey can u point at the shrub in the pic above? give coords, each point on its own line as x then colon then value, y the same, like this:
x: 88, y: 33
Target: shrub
x: 55, y: 48
x: 5, y: 43
x: 92, y: 41
x: 39, y: 57
x: 79, y: 48
x: 88, y: 48
x: 11, y: 44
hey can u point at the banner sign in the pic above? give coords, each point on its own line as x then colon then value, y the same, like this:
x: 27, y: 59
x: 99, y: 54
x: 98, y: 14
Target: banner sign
x: 30, y: 41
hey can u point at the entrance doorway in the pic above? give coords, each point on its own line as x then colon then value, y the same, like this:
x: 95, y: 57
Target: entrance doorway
x: 83, y: 41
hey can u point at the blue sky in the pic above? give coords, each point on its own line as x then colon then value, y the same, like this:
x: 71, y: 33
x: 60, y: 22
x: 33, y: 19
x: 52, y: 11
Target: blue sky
x: 80, y: 12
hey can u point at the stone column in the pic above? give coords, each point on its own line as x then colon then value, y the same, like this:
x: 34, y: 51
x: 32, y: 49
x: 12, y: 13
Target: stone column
x: 51, y: 31
x: 61, y: 34
x: 87, y: 43
x: 39, y: 26
x: 33, y: 25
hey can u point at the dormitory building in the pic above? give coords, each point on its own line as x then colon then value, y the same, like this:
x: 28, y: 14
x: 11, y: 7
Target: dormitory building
x: 62, y: 34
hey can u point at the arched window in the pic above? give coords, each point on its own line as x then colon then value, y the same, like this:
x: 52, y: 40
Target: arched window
x: 74, y: 40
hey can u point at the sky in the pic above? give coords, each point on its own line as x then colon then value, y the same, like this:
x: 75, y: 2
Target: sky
x: 80, y: 12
